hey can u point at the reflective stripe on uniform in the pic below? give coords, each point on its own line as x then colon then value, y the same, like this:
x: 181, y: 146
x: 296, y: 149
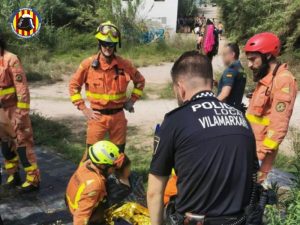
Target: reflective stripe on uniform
x: 30, y: 178
x: 31, y: 168
x: 137, y: 92
x: 7, y: 91
x: 10, y: 165
x: 77, y: 197
x: 23, y: 105
x: 76, y: 97
x: 106, y: 97
x: 271, y: 144
x: 258, y: 120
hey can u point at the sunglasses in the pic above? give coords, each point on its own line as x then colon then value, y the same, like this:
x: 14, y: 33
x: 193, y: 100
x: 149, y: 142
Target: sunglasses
x: 108, y: 44
x: 106, y: 29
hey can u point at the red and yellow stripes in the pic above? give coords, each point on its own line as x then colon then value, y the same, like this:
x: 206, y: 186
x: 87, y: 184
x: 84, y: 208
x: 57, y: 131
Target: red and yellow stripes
x: 35, y: 21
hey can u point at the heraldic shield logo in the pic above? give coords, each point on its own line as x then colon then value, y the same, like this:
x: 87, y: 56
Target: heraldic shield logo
x: 26, y: 22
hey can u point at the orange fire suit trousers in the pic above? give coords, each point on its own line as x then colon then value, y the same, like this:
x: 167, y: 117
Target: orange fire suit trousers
x: 22, y: 148
x: 114, y: 125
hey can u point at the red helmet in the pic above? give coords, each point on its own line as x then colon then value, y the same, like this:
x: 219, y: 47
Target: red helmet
x: 265, y: 43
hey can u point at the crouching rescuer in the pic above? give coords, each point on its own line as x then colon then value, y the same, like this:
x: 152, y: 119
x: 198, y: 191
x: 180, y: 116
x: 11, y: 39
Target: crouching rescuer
x: 86, y: 191
x: 106, y: 77
x: 14, y: 101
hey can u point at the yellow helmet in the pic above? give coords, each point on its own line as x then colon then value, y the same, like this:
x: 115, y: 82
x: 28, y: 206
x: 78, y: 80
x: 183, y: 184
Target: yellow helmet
x: 106, y: 153
x: 108, y: 32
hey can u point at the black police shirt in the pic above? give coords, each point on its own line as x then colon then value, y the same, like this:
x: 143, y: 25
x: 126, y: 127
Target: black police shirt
x: 212, y: 148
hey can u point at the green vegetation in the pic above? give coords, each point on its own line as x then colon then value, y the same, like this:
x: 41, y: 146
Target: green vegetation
x: 67, y: 36
x: 287, y: 211
x: 244, y: 18
x: 49, y: 133
x: 167, y: 92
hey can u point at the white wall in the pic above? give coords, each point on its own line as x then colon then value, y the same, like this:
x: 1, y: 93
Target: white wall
x: 161, y: 11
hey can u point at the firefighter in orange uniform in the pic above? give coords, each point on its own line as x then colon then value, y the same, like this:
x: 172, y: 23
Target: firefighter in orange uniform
x: 273, y: 99
x: 86, y: 192
x: 106, y: 77
x: 14, y: 100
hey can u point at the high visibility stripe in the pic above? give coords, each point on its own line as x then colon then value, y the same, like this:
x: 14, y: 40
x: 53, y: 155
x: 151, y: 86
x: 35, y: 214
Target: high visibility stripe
x: 7, y: 91
x: 106, y: 97
x: 11, y: 163
x: 23, y: 105
x: 8, y: 166
x: 137, y: 92
x: 270, y: 144
x: 76, y: 97
x: 77, y: 197
x: 31, y: 168
x: 258, y: 120
x: 30, y: 178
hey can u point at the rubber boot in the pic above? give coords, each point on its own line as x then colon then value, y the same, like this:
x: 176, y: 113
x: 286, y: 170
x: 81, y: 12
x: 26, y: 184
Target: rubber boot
x: 32, y: 182
x: 12, y: 169
x: 13, y: 181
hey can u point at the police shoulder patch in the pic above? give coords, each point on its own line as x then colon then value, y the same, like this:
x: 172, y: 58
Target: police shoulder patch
x: 280, y: 107
x: 19, y: 78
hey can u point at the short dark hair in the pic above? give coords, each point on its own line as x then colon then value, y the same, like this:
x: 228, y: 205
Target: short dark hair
x: 193, y: 64
x: 234, y: 47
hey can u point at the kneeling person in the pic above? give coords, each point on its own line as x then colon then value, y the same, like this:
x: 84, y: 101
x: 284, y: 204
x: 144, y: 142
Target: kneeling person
x: 86, y: 190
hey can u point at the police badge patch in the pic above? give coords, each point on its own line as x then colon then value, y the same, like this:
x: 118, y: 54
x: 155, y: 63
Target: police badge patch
x: 156, y: 143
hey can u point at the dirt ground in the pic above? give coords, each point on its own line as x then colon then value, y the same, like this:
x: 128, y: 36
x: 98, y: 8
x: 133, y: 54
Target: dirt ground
x: 53, y: 101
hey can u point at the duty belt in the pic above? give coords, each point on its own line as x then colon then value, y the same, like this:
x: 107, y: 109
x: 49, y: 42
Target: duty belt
x: 108, y: 111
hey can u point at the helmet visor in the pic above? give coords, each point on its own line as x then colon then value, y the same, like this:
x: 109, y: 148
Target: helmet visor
x: 107, y: 29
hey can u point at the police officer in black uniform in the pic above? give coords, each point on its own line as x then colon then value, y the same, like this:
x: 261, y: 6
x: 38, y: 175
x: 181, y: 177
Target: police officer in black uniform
x: 212, y: 148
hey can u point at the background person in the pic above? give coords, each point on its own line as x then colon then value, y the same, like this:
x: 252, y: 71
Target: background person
x: 106, y: 77
x: 213, y: 159
x: 220, y: 29
x: 272, y: 102
x: 232, y: 83
x: 15, y: 103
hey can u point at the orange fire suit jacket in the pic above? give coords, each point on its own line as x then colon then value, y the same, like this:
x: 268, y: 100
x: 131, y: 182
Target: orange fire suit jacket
x: 270, y: 111
x: 105, y: 86
x: 6, y: 128
x: 85, y: 191
x: 13, y: 85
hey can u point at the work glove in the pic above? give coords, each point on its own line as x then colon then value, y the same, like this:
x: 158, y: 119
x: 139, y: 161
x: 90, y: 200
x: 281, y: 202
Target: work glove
x: 129, y: 106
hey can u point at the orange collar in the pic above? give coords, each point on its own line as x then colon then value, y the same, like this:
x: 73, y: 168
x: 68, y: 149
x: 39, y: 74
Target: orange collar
x: 90, y: 166
x: 104, y: 65
x: 268, y: 78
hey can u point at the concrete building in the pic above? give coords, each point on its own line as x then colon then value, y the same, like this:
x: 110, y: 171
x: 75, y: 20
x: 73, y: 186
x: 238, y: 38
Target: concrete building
x: 162, y: 11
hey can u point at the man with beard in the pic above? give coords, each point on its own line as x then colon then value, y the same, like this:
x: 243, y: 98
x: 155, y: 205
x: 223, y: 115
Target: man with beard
x: 273, y: 99
x: 106, y: 77
x: 211, y: 147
